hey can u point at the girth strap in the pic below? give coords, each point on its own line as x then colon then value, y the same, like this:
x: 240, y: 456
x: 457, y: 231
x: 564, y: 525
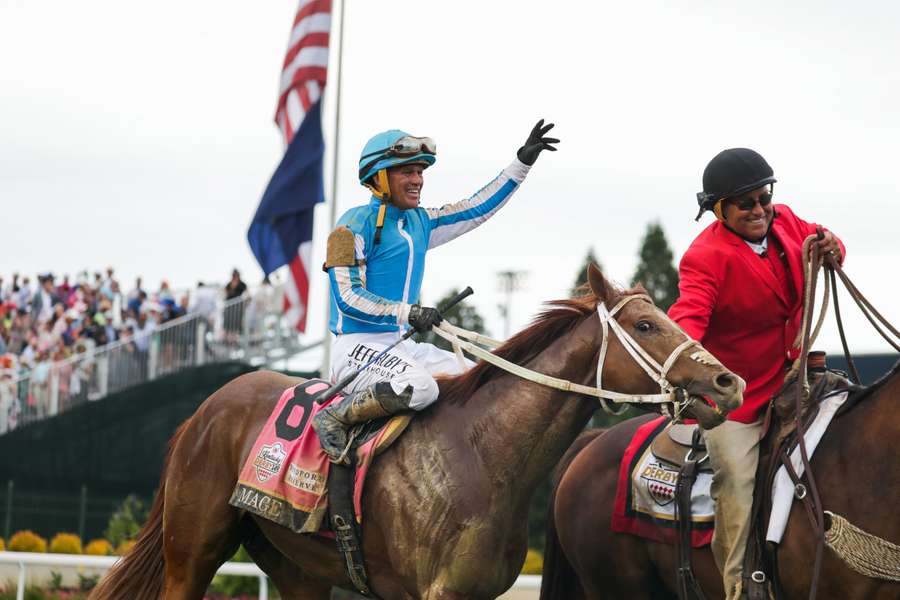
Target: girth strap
x: 343, y: 524
x: 688, y: 586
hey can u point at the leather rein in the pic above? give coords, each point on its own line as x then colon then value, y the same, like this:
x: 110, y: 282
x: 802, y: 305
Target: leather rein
x: 812, y: 501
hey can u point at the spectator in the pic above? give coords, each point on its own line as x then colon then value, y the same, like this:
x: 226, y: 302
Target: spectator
x: 64, y: 288
x: 137, y: 290
x: 135, y: 303
x: 117, y: 303
x: 261, y: 304
x: 23, y: 295
x: 165, y: 293
x: 44, y: 299
x: 108, y: 282
x: 12, y: 290
x: 234, y: 314
x: 18, y: 332
x: 9, y: 403
x: 203, y: 302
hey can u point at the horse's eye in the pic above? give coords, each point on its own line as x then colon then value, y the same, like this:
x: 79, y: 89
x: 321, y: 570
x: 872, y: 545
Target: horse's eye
x: 643, y: 326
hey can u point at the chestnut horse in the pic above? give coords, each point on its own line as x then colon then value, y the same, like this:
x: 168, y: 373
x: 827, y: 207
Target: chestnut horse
x: 857, y: 471
x: 445, y: 507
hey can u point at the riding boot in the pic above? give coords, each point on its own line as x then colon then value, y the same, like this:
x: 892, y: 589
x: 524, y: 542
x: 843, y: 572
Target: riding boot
x: 333, y: 422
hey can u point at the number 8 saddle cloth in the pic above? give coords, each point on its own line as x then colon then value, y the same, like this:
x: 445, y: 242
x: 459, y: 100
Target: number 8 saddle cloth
x: 284, y: 478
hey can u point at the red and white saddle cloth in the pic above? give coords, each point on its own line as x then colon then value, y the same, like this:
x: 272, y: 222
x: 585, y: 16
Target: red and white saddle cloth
x: 645, y: 493
x: 284, y: 478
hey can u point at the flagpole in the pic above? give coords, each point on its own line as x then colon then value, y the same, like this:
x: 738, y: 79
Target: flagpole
x: 332, y: 213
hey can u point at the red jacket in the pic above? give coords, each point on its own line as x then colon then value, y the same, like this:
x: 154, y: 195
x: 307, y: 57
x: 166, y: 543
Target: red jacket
x: 735, y: 304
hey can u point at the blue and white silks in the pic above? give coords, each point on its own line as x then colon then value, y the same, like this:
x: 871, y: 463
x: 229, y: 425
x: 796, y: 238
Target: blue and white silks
x: 375, y: 296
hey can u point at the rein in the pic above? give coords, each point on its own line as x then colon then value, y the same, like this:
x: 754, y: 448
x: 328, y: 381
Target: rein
x: 812, y: 501
x: 669, y: 394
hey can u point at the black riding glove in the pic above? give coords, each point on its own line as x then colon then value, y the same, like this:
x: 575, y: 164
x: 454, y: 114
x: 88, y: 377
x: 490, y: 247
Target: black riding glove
x: 423, y: 318
x: 536, y: 142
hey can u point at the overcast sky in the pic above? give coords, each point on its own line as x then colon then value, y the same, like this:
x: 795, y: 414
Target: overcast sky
x: 140, y: 134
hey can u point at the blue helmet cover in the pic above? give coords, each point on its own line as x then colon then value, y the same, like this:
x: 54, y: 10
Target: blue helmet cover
x: 370, y: 162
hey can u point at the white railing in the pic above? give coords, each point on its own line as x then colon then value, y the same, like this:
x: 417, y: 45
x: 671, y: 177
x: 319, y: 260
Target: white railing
x: 32, y: 559
x: 26, y: 559
x: 247, y: 329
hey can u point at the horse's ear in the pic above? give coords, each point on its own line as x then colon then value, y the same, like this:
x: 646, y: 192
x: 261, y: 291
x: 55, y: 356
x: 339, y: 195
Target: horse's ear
x: 598, y: 283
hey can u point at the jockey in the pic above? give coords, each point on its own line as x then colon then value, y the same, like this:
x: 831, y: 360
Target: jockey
x: 741, y: 284
x: 375, y: 263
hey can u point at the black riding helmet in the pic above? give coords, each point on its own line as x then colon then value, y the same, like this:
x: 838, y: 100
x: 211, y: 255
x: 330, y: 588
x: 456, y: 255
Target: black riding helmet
x: 731, y: 173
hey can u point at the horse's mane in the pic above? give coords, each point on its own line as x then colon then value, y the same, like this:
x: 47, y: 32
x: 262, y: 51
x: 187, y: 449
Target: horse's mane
x: 560, y: 318
x: 868, y: 391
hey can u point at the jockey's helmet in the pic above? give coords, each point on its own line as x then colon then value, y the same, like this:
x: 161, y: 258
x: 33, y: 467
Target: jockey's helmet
x: 731, y: 173
x: 391, y: 149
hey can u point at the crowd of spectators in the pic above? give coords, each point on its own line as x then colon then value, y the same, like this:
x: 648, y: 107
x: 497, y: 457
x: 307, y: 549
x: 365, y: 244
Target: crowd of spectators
x: 49, y: 319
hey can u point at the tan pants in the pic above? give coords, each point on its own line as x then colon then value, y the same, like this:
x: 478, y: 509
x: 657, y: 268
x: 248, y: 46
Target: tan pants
x: 733, y: 454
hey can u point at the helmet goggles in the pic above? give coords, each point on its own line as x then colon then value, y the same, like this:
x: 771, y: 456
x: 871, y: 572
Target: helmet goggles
x: 406, y: 146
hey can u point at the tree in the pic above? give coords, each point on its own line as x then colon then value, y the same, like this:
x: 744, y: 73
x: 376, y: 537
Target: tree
x: 656, y: 271
x: 581, y: 277
x: 462, y: 315
x: 127, y: 521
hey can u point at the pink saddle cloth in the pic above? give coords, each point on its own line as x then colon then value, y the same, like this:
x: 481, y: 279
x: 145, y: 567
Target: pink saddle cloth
x: 285, y: 476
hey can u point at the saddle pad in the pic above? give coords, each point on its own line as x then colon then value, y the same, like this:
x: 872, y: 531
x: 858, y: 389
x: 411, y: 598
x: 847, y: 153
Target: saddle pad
x: 645, y: 493
x: 783, y: 486
x: 284, y: 477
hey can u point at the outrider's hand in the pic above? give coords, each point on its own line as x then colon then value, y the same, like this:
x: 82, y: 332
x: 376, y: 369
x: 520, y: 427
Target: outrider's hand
x: 830, y: 248
x: 536, y: 142
x: 423, y: 318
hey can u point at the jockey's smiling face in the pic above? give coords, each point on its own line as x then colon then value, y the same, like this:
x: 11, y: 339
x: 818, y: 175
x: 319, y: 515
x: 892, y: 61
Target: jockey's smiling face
x: 750, y: 213
x: 406, y: 183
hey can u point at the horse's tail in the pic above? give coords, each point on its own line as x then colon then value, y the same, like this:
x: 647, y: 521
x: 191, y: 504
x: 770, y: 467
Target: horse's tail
x: 140, y: 574
x: 559, y: 580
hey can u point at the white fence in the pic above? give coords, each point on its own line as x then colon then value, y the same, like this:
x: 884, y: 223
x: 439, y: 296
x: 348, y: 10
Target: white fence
x: 27, y: 559
x: 31, y: 559
x: 248, y: 329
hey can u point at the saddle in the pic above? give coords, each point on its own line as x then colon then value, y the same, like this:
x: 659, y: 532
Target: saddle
x: 674, y: 444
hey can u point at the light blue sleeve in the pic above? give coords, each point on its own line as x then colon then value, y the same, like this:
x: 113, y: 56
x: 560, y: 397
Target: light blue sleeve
x: 452, y: 220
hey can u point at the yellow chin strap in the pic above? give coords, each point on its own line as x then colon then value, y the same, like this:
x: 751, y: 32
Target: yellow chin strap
x: 717, y: 210
x: 382, y: 189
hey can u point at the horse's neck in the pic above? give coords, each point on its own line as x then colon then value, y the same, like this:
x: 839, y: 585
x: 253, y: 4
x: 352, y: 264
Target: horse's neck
x: 520, y: 429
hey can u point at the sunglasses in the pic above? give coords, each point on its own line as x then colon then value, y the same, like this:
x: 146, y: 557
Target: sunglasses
x: 750, y: 203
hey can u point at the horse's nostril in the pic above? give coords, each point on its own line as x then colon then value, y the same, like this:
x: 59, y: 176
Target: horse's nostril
x: 725, y: 381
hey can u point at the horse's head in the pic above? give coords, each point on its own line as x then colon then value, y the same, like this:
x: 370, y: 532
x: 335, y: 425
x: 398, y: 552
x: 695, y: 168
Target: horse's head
x: 643, y: 352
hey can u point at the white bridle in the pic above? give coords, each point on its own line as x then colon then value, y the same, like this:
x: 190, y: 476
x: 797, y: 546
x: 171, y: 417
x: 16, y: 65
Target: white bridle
x: 678, y: 397
x: 669, y: 394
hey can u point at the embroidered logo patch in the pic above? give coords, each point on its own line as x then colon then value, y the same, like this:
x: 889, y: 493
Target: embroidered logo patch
x: 307, y: 481
x: 269, y: 460
x: 660, y: 481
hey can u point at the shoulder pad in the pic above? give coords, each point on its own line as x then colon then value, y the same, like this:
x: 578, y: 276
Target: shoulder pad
x: 341, y: 250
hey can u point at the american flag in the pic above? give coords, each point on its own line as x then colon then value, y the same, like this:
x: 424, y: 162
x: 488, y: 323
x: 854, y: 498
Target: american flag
x: 281, y: 231
x: 305, y: 66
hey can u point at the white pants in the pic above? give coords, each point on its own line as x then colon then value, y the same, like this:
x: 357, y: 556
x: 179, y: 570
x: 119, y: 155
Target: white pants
x: 407, y: 364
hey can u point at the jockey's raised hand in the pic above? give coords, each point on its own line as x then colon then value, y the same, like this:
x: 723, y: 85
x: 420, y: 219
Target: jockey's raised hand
x: 536, y: 142
x: 423, y: 318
